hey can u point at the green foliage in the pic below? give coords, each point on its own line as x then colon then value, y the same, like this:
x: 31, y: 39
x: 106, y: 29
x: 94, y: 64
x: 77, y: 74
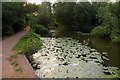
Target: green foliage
x: 32, y: 46
x: 44, y: 15
x: 64, y: 12
x: 103, y: 31
x: 84, y: 16
x: 108, y: 22
x: 115, y: 36
x: 15, y: 15
x: 40, y: 29
x: 9, y: 28
x: 28, y: 44
x: 77, y: 16
x: 102, y: 19
x: 59, y: 32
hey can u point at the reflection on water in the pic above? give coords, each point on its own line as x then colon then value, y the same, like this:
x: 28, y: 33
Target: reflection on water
x: 103, y: 45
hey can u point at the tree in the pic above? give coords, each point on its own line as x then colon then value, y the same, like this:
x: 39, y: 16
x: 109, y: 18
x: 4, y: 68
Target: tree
x: 44, y: 15
x: 15, y: 16
x: 108, y: 26
x: 64, y: 14
x: 76, y: 16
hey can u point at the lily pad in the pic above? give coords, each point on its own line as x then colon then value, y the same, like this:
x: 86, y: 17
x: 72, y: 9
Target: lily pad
x: 66, y: 57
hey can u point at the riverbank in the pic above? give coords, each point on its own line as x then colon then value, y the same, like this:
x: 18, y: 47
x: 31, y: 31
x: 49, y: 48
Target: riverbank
x: 7, y: 45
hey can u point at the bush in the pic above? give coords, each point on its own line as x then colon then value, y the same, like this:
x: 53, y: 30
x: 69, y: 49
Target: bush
x: 40, y: 29
x: 15, y: 16
x: 105, y: 32
x: 18, y: 25
x: 33, y: 44
x: 7, y: 30
x: 28, y: 44
x: 60, y: 31
x: 101, y: 31
x: 115, y: 36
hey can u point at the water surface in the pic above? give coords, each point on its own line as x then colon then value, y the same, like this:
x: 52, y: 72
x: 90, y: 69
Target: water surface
x: 102, y: 45
x: 66, y: 57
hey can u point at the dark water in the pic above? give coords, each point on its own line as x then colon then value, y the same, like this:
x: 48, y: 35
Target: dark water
x: 102, y: 45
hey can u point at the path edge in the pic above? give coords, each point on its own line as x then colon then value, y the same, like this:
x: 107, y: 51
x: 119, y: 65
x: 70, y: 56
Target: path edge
x: 30, y: 65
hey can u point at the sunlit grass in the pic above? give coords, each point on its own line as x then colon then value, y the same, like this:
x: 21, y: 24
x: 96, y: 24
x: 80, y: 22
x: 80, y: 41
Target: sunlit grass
x: 28, y: 40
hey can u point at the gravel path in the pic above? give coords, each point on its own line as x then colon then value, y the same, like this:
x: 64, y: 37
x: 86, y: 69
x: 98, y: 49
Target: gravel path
x: 7, y: 69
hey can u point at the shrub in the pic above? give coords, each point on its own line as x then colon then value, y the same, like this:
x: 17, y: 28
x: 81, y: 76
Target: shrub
x: 40, y: 29
x: 18, y: 25
x: 59, y: 31
x: 33, y: 44
x: 101, y: 31
x: 115, y: 36
x: 28, y: 44
x: 7, y: 30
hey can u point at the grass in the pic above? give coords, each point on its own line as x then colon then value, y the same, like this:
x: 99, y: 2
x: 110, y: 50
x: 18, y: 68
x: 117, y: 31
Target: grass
x: 27, y: 45
x: 28, y: 42
x: 13, y: 56
x: 20, y: 45
x: 18, y: 69
x: 14, y: 62
x: 60, y: 31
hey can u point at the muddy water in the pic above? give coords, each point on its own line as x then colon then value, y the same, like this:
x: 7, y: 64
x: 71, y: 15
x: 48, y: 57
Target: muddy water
x: 67, y: 57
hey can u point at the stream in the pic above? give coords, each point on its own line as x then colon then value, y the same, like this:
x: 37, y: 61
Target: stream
x: 77, y: 57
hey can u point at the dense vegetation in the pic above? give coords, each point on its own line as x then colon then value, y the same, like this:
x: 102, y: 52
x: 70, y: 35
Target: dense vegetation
x: 40, y: 29
x: 109, y: 19
x: 28, y: 44
x: 16, y: 16
x: 99, y: 19
x: 75, y: 19
x: 76, y: 16
x: 43, y: 16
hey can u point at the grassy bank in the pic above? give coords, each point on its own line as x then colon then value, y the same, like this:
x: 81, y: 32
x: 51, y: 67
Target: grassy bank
x: 28, y: 44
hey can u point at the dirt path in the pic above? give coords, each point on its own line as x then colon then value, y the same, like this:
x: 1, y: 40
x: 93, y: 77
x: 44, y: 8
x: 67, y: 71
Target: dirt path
x: 8, y: 70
